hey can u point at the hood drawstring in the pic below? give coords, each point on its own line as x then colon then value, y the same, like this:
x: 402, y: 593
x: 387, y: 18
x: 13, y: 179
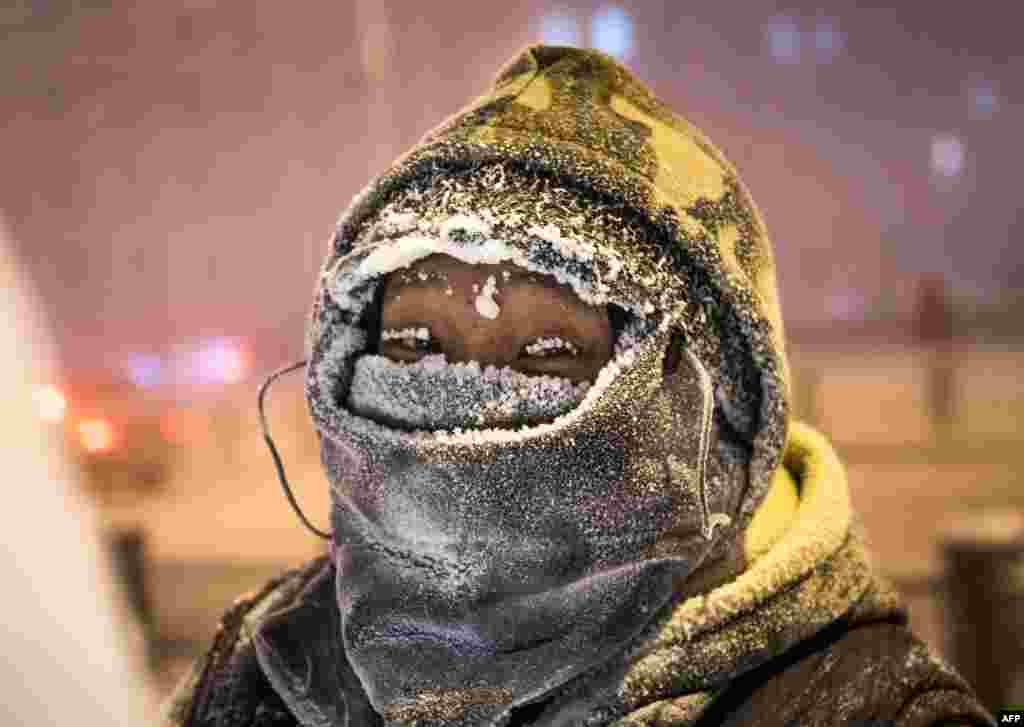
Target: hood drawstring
x: 709, y: 520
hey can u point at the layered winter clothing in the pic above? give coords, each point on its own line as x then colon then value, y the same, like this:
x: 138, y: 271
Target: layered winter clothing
x: 509, y: 549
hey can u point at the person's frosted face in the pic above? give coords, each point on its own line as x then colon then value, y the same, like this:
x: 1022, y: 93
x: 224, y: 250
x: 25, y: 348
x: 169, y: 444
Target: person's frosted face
x: 535, y: 325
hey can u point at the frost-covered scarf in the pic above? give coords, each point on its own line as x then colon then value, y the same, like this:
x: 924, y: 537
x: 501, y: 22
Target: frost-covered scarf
x: 498, y: 534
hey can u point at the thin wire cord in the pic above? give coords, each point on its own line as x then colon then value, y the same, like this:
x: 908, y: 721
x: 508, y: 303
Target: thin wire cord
x: 273, y: 450
x: 709, y: 520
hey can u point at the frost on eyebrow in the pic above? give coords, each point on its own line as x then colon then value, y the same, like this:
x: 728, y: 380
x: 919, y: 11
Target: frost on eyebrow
x: 588, y: 269
x: 405, y: 276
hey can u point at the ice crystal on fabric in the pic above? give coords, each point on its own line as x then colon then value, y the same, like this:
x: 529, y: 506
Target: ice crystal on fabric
x: 547, y: 344
x: 432, y: 394
x: 405, y: 334
x: 485, y: 303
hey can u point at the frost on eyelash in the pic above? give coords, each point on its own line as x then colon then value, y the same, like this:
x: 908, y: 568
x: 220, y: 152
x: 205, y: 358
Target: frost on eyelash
x: 551, y: 343
x: 419, y: 334
x: 432, y: 394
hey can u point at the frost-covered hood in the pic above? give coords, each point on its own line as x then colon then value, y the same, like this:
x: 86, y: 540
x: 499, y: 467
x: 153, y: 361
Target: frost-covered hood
x: 569, y: 157
x: 480, y: 568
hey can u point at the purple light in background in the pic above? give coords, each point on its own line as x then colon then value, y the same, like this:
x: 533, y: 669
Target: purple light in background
x: 560, y: 27
x: 783, y: 37
x: 222, y: 361
x: 947, y: 155
x: 984, y: 101
x: 611, y: 31
x: 145, y: 369
x: 218, y: 361
x: 828, y: 40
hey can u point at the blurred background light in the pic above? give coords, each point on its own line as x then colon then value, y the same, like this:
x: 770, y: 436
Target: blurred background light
x: 378, y: 44
x: 172, y: 427
x: 183, y: 426
x: 96, y: 435
x: 50, y: 403
x: 145, y: 370
x: 218, y: 360
x: 984, y: 101
x: 828, y: 40
x: 560, y: 27
x: 846, y: 304
x: 947, y: 155
x: 783, y: 38
x: 611, y: 31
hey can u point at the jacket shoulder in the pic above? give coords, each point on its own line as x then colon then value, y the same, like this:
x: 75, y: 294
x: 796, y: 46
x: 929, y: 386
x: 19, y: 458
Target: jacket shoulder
x: 872, y: 675
x: 227, y: 686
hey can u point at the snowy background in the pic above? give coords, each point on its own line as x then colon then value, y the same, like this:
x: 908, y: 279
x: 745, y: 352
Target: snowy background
x: 174, y: 169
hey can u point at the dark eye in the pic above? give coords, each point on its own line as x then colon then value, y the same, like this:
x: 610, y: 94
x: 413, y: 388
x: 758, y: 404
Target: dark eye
x: 551, y: 346
x: 414, y: 340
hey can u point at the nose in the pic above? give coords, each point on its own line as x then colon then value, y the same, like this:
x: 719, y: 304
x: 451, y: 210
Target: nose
x: 473, y: 336
x: 486, y: 342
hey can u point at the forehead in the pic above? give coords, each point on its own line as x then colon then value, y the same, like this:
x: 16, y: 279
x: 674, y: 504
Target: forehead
x: 442, y: 269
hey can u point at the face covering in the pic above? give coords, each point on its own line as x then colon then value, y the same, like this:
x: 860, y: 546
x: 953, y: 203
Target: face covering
x: 491, y: 548
x: 434, y: 395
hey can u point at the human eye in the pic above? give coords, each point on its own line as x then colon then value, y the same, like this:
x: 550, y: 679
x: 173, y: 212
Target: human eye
x: 407, y: 340
x: 550, y: 347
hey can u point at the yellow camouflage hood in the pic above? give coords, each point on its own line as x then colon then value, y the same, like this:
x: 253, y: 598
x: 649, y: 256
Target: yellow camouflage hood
x: 569, y: 141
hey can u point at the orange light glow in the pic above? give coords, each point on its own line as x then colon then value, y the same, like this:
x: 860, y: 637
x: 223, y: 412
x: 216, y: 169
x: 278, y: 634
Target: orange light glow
x: 183, y: 426
x: 96, y: 435
x: 171, y: 427
x: 235, y: 365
